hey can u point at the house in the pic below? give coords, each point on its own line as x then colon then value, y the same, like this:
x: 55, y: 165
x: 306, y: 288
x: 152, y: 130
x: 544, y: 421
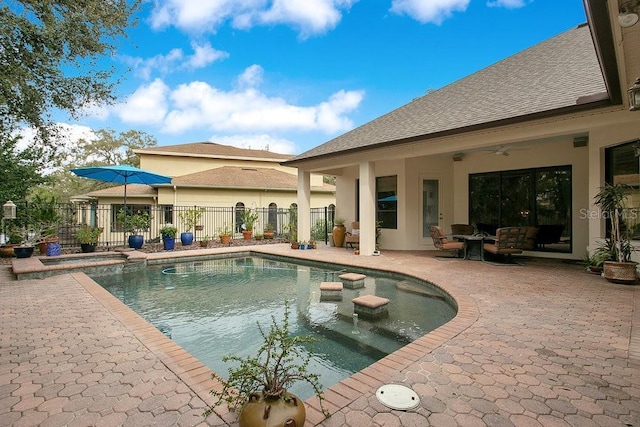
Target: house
x: 223, y: 179
x: 526, y: 141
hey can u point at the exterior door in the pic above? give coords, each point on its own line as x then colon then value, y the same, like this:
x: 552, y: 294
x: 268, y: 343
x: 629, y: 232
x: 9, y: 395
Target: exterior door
x: 430, y: 205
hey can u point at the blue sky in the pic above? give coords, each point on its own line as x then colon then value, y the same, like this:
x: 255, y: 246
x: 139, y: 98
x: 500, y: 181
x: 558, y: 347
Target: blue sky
x: 292, y: 74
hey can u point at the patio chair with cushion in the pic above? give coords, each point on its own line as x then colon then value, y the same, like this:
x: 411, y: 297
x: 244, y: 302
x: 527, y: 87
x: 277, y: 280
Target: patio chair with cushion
x: 509, y: 241
x: 462, y: 229
x: 353, y: 237
x: 441, y: 241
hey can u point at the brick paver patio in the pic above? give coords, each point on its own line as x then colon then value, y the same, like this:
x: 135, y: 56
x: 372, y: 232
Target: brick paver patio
x: 542, y: 344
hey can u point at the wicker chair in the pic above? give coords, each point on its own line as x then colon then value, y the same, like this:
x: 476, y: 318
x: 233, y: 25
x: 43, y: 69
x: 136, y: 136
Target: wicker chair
x: 441, y: 242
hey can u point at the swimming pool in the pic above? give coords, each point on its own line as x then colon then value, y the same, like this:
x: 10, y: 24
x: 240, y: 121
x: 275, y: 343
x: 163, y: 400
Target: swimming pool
x: 210, y: 308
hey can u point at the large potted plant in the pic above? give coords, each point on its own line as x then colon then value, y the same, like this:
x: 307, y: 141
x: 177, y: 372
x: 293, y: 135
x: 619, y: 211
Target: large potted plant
x: 88, y: 238
x: 249, y: 218
x: 168, y: 233
x: 339, y: 231
x: 136, y: 224
x: 257, y: 385
x: 44, y: 217
x: 189, y: 218
x: 611, y: 199
x: 224, y: 233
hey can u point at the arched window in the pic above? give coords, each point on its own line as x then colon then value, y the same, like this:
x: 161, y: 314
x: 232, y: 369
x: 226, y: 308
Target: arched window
x: 273, y: 215
x: 239, y: 215
x: 332, y: 213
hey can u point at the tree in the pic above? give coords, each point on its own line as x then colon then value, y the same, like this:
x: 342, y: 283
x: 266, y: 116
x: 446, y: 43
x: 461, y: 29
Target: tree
x: 21, y: 169
x: 50, y: 54
x: 111, y: 148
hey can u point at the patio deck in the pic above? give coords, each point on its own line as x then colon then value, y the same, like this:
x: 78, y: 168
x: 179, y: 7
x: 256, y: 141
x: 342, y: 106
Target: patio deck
x: 543, y: 344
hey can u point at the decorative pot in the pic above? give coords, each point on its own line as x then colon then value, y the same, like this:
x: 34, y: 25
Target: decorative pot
x: 620, y: 272
x: 260, y: 412
x: 204, y: 243
x: 54, y: 249
x: 225, y: 239
x: 246, y: 234
x: 295, y: 245
x: 339, y: 231
x: 136, y: 241
x: 168, y: 243
x: 269, y: 234
x: 7, y: 251
x: 43, y: 243
x: 23, y: 251
x: 186, y: 238
x: 88, y: 247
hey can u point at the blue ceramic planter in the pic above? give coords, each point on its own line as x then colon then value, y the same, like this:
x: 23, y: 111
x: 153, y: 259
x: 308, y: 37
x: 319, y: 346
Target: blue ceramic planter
x: 136, y: 241
x: 186, y: 238
x: 169, y: 243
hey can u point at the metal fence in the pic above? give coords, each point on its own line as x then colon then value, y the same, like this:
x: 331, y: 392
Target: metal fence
x: 68, y: 218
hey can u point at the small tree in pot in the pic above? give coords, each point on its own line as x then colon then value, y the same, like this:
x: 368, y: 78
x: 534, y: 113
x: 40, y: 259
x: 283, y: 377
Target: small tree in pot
x: 189, y: 218
x: 611, y: 199
x: 168, y: 233
x: 88, y: 238
x: 258, y: 385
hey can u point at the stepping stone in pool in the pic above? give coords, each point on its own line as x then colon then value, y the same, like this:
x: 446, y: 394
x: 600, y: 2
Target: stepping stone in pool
x: 331, y: 291
x: 370, y: 306
x: 352, y: 280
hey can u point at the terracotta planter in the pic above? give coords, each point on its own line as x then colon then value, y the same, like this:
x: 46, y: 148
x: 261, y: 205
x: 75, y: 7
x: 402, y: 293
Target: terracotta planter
x: 225, y: 239
x: 7, y: 251
x: 620, y: 272
x: 260, y: 412
x: 204, y: 243
x: 338, y: 233
x: 246, y: 234
x: 269, y: 234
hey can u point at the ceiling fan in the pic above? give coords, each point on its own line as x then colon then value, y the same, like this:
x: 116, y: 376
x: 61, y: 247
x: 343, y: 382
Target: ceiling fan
x: 500, y: 150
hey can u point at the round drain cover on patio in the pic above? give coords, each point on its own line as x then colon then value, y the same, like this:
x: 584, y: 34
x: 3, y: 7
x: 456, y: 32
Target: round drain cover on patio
x: 397, y: 396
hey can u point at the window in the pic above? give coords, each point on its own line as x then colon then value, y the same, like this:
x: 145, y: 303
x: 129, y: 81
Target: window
x: 622, y: 166
x: 239, y: 215
x: 167, y: 214
x: 273, y: 215
x: 539, y: 197
x: 387, y: 201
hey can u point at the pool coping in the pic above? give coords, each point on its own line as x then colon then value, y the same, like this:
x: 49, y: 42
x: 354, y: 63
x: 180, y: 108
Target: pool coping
x: 197, y: 376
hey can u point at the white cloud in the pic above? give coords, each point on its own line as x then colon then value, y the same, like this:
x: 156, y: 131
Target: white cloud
x: 257, y: 142
x: 251, y: 77
x: 175, y: 60
x: 434, y: 11
x: 509, y: 4
x: 147, y: 105
x: 195, y: 16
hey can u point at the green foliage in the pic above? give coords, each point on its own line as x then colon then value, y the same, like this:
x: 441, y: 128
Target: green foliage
x: 43, y: 214
x: 169, y: 231
x: 611, y: 199
x: 318, y: 231
x: 135, y: 223
x: 249, y: 218
x: 44, y: 46
x: 190, y: 218
x: 88, y: 235
x: 278, y: 364
x: 112, y: 148
x: 22, y: 169
x: 225, y: 230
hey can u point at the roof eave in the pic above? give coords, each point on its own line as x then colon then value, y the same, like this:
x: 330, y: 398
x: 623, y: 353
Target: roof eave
x: 460, y: 131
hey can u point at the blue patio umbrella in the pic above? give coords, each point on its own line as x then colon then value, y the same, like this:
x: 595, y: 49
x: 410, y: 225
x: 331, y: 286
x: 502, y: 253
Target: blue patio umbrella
x: 123, y: 174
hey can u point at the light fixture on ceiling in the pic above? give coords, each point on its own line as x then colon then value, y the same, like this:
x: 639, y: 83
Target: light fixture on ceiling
x: 628, y: 13
x: 634, y: 96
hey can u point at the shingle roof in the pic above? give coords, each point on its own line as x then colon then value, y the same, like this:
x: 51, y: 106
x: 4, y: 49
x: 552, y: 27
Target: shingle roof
x: 549, y: 76
x: 212, y: 149
x: 238, y: 177
x: 118, y: 191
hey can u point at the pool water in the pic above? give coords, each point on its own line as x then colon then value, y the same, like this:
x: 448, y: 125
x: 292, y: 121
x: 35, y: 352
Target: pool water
x: 211, y: 309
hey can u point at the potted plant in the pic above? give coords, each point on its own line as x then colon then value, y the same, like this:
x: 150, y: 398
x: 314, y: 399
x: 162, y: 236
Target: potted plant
x: 168, y: 233
x: 26, y: 246
x: 205, y: 241
x: 44, y: 217
x: 249, y: 217
x: 224, y: 233
x: 189, y: 218
x: 268, y: 232
x: 611, y: 199
x: 257, y: 385
x: 135, y: 224
x: 88, y: 238
x: 594, y: 262
x: 258, y: 236
x: 339, y: 231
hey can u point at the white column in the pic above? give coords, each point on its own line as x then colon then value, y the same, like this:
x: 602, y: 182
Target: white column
x: 367, y: 208
x: 304, y: 205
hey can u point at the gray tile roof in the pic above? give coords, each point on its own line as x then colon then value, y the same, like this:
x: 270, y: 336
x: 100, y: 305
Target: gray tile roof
x: 211, y: 149
x: 546, y: 77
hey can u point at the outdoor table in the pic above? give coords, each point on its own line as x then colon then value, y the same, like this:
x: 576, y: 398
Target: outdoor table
x: 473, y: 245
